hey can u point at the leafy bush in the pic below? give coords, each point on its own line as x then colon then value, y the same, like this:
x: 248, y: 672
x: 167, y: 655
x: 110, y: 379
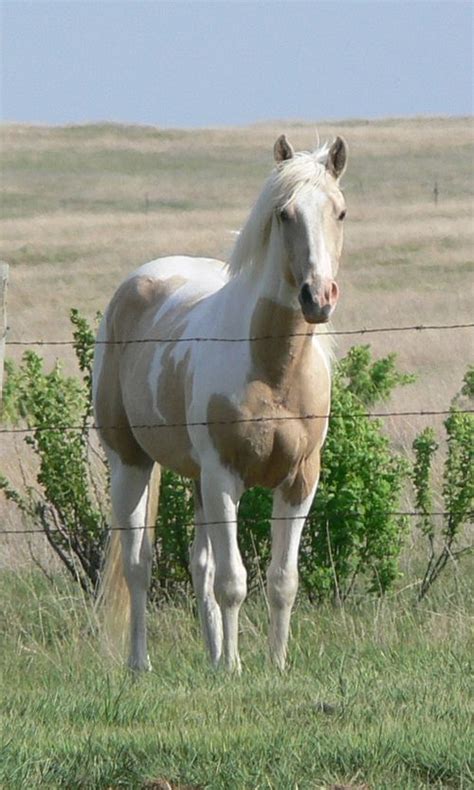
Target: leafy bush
x: 66, y: 504
x: 443, y: 532
x: 354, y: 534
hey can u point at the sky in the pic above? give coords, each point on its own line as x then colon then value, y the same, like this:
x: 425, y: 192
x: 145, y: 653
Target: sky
x: 222, y: 63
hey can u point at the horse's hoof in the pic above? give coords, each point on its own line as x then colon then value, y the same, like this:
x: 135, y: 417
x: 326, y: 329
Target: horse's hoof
x: 233, y: 667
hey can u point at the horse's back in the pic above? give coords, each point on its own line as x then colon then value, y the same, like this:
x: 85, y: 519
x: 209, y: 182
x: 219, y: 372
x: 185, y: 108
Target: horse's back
x: 160, y: 285
x: 210, y: 271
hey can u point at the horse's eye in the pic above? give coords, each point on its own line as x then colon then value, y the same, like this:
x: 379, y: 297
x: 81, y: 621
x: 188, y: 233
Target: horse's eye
x: 284, y: 215
x: 342, y: 215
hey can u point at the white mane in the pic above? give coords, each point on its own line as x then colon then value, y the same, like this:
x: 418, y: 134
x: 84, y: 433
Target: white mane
x: 304, y: 169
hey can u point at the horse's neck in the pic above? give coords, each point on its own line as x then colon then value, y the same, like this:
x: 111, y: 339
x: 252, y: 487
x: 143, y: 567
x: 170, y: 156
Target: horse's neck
x: 272, y: 282
x: 275, y: 319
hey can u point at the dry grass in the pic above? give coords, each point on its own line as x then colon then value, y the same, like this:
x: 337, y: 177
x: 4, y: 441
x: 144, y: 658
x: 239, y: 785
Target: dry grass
x: 85, y: 205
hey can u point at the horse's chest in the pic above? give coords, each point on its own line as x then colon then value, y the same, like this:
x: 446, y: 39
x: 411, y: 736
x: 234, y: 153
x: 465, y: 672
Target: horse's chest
x: 265, y: 436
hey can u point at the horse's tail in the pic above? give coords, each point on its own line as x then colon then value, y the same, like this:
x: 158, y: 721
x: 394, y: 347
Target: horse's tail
x: 113, y: 600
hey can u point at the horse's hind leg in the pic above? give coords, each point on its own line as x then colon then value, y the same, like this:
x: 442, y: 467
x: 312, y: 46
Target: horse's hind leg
x: 203, y: 572
x: 220, y: 497
x: 131, y: 495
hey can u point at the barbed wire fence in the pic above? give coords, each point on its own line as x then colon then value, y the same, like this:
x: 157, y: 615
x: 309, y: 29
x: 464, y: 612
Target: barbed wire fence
x: 258, y: 419
x: 255, y: 338
x: 308, y: 518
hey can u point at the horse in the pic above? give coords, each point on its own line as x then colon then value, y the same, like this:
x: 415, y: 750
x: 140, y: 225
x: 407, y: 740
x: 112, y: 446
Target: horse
x: 228, y: 415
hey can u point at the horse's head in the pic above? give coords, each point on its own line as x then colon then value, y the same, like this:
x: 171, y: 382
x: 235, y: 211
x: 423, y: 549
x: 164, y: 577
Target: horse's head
x: 309, y: 213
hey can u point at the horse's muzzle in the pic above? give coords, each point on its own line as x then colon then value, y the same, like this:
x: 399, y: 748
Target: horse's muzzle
x: 317, y: 306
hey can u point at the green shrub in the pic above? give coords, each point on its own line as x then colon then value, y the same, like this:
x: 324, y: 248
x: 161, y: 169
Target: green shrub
x: 65, y: 504
x: 443, y: 532
x: 354, y: 535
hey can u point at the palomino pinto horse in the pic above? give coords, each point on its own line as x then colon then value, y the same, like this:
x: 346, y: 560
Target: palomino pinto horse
x: 195, y: 407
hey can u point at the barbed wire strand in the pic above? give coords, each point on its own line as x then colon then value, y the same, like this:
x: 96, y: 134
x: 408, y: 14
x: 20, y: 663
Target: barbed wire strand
x: 237, y: 421
x: 310, y: 517
x: 331, y: 332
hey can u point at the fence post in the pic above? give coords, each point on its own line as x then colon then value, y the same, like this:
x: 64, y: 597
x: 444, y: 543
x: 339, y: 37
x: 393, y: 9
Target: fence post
x: 3, y: 318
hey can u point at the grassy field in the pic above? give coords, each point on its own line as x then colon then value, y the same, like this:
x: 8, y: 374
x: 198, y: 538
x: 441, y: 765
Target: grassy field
x: 376, y: 697
x: 82, y: 206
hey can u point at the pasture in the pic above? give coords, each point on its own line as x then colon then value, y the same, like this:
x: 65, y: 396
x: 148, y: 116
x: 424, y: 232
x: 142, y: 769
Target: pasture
x: 376, y: 697
x: 377, y: 694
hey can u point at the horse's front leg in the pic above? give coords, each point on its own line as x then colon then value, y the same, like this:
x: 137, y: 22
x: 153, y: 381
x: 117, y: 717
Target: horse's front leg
x: 203, y: 570
x: 219, y: 500
x: 282, y: 575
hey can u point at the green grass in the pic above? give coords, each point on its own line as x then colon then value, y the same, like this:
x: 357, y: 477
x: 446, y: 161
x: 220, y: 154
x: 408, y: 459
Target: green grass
x: 377, y: 694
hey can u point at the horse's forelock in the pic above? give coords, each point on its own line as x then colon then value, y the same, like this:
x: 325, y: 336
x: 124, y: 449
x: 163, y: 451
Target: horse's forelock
x: 304, y: 170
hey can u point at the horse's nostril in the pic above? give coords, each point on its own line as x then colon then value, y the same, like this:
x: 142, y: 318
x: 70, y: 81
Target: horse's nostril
x: 306, y: 295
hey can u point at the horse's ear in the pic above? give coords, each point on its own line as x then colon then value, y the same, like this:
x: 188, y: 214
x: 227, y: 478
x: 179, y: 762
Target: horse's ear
x: 337, y: 158
x: 282, y: 149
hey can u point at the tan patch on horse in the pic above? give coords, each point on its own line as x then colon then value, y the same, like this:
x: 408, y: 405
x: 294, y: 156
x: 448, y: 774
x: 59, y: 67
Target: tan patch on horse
x: 130, y: 306
x: 287, y: 379
x: 129, y: 317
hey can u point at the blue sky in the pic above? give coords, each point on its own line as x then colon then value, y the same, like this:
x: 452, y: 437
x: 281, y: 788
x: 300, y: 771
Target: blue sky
x: 226, y: 62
